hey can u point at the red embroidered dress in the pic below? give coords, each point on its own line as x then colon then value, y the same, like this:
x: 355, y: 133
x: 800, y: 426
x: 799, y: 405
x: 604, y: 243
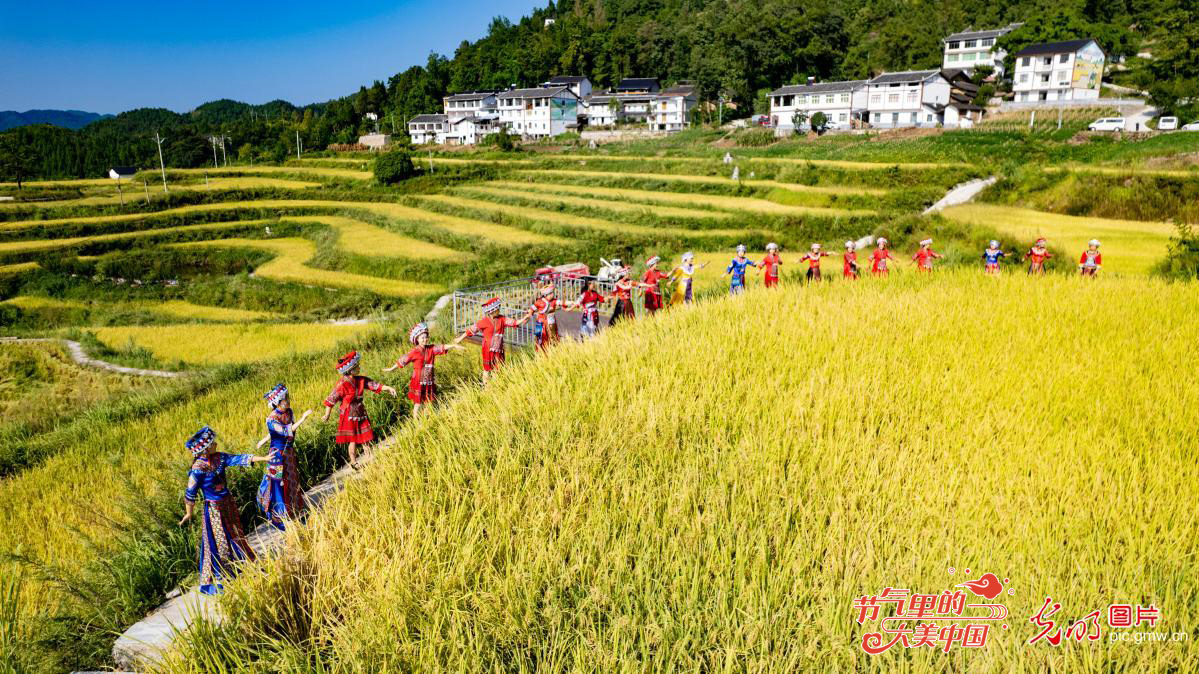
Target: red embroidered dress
x: 422, y: 388
x: 770, y: 269
x: 352, y: 425
x: 653, y: 294
x: 546, y: 328
x: 849, y: 266
x: 878, y: 261
x: 492, y: 332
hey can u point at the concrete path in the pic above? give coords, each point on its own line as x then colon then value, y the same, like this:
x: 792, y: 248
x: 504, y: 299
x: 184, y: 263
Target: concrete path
x: 144, y: 643
x: 961, y: 194
x: 81, y: 357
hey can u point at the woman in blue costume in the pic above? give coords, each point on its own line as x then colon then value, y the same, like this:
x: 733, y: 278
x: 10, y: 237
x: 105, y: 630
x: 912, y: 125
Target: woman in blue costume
x: 222, y: 542
x: 279, y: 495
x: 736, y: 269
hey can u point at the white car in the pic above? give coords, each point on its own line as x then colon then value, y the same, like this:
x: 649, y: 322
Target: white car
x: 1107, y: 124
x: 1167, y: 124
x: 1193, y: 126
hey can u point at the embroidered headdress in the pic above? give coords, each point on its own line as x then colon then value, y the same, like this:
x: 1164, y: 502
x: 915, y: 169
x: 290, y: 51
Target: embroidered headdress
x: 276, y: 395
x: 1093, y: 242
x: 491, y: 306
x: 926, y: 242
x: 201, y: 441
x: 653, y: 261
x: 348, y: 362
x: 417, y: 330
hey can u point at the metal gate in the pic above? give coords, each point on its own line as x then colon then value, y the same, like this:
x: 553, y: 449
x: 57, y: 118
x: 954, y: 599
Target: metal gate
x: 516, y: 297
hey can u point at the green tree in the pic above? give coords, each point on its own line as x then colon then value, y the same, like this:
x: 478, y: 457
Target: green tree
x: 820, y: 122
x: 17, y: 158
x: 798, y: 119
x: 393, y: 166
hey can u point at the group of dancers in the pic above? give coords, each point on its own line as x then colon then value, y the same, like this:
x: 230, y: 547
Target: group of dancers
x: 280, y: 498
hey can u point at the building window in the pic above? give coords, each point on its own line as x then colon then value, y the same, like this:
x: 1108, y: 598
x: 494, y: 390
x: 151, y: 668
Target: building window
x: 1048, y: 61
x: 930, y: 118
x: 1023, y: 77
x: 844, y: 98
x: 1064, y: 58
x: 969, y: 44
x: 1026, y: 61
x: 829, y: 98
x: 892, y: 98
x: 969, y: 57
x: 875, y: 99
x: 987, y: 42
x: 1045, y: 78
x: 952, y: 58
x: 912, y: 96
x: 954, y: 45
x: 842, y: 117
x: 894, y: 117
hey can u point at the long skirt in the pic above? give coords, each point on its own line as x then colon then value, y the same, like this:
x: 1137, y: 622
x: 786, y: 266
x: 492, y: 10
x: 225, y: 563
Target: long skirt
x: 279, y: 494
x: 222, y: 544
x: 545, y: 334
x: 589, y: 324
x: 653, y: 302
x: 624, y: 309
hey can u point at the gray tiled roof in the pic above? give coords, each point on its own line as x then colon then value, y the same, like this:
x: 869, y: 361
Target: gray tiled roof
x: 567, y: 79
x: 982, y: 34
x: 424, y: 119
x: 818, y: 88
x: 906, y: 76
x: 470, y: 96
x: 534, y: 92
x: 1069, y: 46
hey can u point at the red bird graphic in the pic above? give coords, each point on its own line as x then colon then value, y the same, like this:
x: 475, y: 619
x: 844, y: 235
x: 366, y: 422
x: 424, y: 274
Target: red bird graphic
x: 987, y: 586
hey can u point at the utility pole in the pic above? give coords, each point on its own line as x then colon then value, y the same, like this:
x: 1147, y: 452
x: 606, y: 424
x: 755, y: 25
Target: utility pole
x: 297, y: 143
x: 224, y: 157
x: 161, y: 165
x: 212, y: 139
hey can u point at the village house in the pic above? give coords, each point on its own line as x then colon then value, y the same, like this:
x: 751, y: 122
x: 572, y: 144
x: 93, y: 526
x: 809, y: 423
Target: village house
x: 470, y: 130
x: 843, y: 104
x: 469, y: 104
x: 540, y: 112
x: 904, y: 99
x: 672, y: 108
x: 973, y: 48
x: 1058, y: 71
x: 961, y: 111
x: 427, y: 129
x: 581, y: 86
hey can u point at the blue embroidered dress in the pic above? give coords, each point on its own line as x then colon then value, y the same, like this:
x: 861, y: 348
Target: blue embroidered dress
x: 222, y: 541
x: 737, y: 269
x: 279, y: 495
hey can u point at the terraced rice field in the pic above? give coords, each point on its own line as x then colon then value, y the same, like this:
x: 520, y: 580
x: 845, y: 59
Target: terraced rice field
x: 363, y: 238
x: 704, y: 180
x: 226, y: 344
x: 1129, y: 246
x: 1125, y: 170
x: 41, y: 245
x: 170, y: 308
x: 519, y: 190
x: 321, y: 171
x: 573, y: 221
x: 464, y: 227
x: 17, y: 267
x: 289, y: 265
x: 831, y: 163
x: 719, y: 202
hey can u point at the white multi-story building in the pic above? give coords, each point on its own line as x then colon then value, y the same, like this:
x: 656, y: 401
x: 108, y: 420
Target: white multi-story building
x: 912, y: 98
x: 581, y: 86
x: 469, y: 104
x: 427, y: 129
x: 540, y: 112
x: 842, y: 103
x: 671, y: 110
x: 1058, y: 71
x: 470, y: 130
x: 973, y: 48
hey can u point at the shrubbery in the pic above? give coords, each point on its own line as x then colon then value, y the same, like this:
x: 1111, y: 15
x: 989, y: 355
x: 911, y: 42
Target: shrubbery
x: 501, y: 140
x: 392, y: 167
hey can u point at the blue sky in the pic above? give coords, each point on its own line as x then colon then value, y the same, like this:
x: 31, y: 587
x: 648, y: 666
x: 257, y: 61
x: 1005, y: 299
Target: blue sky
x: 113, y: 56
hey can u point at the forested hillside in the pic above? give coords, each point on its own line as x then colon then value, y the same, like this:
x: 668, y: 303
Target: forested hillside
x: 736, y: 48
x: 68, y: 119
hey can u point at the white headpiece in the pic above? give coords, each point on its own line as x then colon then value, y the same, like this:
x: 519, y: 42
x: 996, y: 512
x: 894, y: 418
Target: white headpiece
x: 815, y: 246
x: 1093, y: 242
x: 882, y: 241
x: 926, y: 242
x: 740, y: 249
x: 688, y: 256
x: 850, y: 245
x: 772, y: 246
x: 994, y: 243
